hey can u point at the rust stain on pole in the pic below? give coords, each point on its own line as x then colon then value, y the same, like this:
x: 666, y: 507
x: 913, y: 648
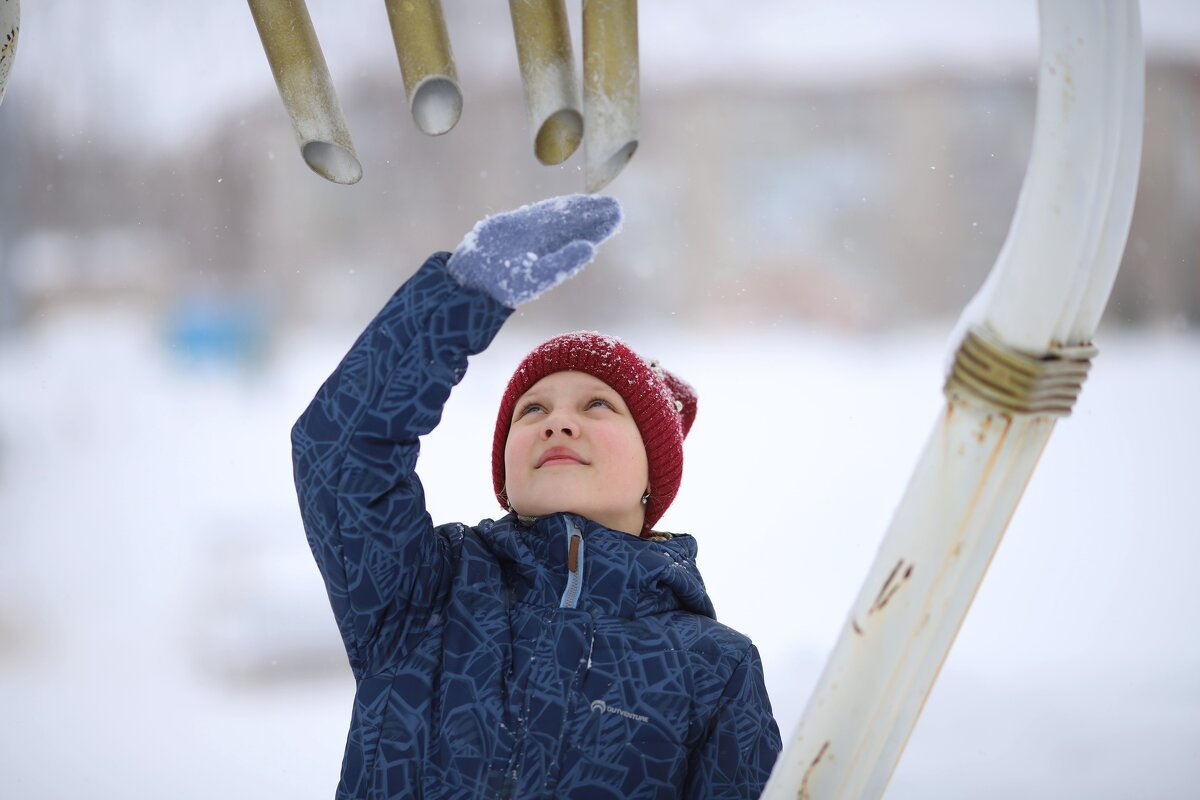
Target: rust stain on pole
x: 889, y: 589
x: 803, y: 793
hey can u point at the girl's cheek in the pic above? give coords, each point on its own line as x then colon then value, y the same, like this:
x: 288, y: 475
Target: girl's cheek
x: 523, y: 441
x: 603, y: 438
x: 518, y: 444
x: 617, y: 442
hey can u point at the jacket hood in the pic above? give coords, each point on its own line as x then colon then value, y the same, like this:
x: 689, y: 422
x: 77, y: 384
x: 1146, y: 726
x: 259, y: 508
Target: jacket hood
x: 622, y: 575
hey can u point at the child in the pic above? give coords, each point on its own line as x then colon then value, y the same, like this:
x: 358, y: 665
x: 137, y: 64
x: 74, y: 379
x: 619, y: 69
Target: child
x: 567, y: 649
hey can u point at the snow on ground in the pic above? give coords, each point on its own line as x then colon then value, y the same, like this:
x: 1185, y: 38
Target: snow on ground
x: 164, y: 633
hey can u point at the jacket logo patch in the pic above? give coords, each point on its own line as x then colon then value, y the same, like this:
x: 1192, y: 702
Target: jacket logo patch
x: 604, y: 708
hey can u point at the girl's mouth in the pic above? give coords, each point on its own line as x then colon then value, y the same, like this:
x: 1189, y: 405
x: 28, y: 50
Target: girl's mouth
x: 559, y: 456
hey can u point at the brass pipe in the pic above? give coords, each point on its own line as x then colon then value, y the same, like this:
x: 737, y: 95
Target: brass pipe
x: 10, y: 27
x: 610, y: 88
x: 547, y: 63
x: 426, y: 63
x: 306, y: 89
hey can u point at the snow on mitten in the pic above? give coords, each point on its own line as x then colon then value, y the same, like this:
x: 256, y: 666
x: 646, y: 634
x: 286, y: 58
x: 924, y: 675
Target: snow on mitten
x: 518, y: 255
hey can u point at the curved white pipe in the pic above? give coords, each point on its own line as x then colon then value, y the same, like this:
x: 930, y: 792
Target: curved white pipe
x: 1123, y: 130
x: 1055, y: 271
x: 1048, y: 288
x: 10, y: 28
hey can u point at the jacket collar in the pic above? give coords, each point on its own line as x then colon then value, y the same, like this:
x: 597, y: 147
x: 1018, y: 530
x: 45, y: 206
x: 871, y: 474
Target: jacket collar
x: 623, y: 575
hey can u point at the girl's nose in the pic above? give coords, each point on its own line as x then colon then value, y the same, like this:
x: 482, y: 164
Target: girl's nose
x: 562, y: 423
x: 565, y: 430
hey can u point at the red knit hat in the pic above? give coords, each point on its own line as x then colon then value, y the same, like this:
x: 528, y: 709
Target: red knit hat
x: 662, y: 406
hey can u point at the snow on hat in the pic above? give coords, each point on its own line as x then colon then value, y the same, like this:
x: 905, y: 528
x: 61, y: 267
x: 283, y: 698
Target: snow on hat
x: 662, y: 405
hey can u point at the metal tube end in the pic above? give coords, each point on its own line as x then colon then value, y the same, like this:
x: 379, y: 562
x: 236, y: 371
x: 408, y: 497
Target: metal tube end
x: 547, y: 62
x: 558, y: 137
x: 306, y: 88
x: 332, y: 161
x: 426, y: 63
x: 436, y: 105
x: 601, y: 172
x: 610, y: 88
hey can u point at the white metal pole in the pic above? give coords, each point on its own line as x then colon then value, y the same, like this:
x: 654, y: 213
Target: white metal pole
x: 1041, y: 302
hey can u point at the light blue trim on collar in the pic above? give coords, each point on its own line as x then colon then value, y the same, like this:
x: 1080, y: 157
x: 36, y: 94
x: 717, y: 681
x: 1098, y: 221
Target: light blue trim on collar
x: 570, y: 596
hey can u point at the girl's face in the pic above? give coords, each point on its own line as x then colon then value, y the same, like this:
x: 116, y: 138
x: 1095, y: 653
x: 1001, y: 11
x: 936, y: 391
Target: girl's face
x: 573, y: 446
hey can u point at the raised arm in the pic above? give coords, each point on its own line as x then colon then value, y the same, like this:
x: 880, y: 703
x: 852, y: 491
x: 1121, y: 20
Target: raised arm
x: 355, y: 448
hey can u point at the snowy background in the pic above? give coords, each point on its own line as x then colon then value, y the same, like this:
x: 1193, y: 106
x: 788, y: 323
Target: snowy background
x: 163, y: 631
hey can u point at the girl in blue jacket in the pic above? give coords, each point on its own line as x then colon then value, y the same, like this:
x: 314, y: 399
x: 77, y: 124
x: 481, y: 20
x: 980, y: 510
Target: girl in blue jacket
x: 566, y: 649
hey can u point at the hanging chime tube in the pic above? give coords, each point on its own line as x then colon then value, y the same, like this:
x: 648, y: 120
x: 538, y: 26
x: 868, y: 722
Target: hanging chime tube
x: 10, y: 26
x: 548, y: 74
x: 306, y: 89
x: 423, y: 48
x: 610, y: 88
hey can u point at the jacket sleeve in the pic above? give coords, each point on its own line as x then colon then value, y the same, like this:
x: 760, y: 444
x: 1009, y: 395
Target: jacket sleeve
x: 742, y: 741
x: 354, y: 453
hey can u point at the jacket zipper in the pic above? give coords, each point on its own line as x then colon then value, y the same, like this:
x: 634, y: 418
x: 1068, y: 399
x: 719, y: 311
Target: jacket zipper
x: 570, y: 595
x: 570, y: 598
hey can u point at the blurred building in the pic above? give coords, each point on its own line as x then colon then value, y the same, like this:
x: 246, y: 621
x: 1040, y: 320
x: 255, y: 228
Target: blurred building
x: 863, y: 206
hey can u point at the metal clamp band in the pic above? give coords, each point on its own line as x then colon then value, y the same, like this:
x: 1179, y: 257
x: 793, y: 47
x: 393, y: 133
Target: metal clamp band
x: 1016, y: 382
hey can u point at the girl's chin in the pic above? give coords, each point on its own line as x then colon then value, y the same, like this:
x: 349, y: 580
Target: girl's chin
x: 545, y: 509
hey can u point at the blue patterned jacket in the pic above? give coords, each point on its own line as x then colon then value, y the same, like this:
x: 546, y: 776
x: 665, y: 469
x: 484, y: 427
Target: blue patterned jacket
x: 544, y: 660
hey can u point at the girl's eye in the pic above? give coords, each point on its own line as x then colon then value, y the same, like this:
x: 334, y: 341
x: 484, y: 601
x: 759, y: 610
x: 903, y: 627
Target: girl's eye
x: 599, y: 402
x: 532, y: 407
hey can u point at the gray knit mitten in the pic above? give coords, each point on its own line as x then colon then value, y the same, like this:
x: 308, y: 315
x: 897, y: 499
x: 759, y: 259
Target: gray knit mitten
x: 518, y: 255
